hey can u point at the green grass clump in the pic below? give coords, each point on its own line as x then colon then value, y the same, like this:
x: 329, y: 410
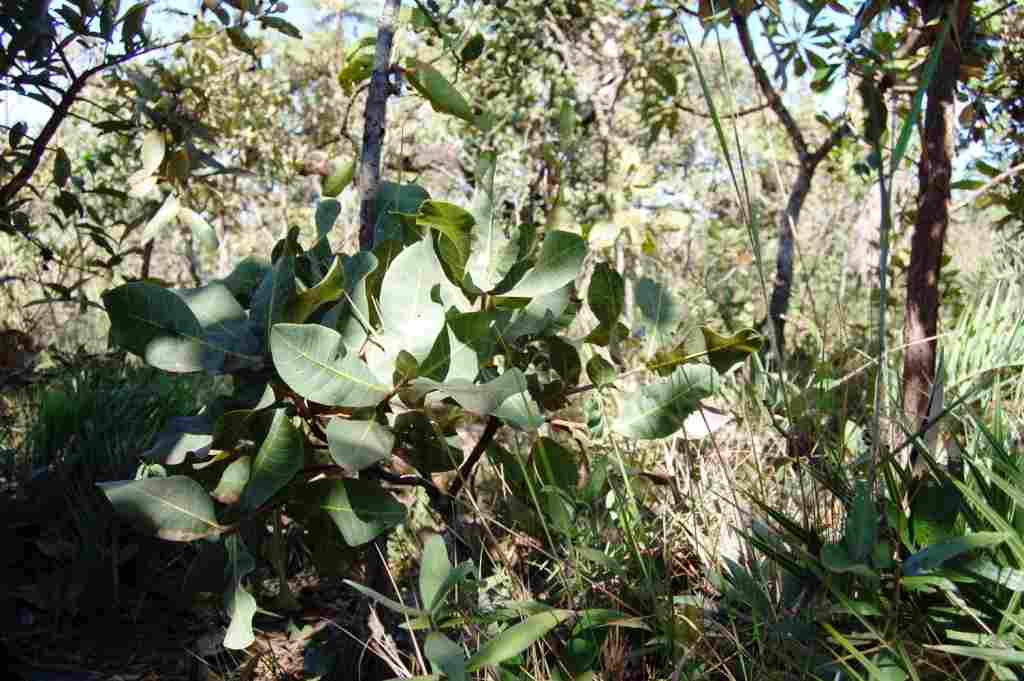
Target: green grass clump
x: 100, y: 416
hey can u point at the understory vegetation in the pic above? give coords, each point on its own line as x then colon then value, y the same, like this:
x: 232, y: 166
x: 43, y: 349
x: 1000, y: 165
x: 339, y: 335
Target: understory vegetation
x: 513, y: 340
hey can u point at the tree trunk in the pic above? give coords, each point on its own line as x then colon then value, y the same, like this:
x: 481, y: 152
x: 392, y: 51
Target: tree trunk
x: 375, y: 118
x: 929, y: 234
x: 782, y: 289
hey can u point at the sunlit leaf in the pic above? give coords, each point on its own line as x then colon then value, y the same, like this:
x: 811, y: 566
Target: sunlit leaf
x: 314, y: 363
x: 560, y: 261
x: 516, y: 639
x: 168, y: 211
x: 659, y: 409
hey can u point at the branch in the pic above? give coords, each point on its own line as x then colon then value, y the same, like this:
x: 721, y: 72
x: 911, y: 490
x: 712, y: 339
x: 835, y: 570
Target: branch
x: 71, y: 95
x: 705, y: 114
x: 373, y: 130
x: 796, y: 137
x: 466, y: 469
x: 992, y: 184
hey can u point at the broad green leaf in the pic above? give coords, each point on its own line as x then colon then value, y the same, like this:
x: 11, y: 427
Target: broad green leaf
x: 233, y: 480
x: 473, y: 48
x: 168, y: 211
x: 724, y: 352
x: 277, y: 289
x: 281, y: 456
x: 516, y: 639
x: 441, y: 94
x: 153, y: 149
x: 314, y: 363
x: 556, y: 465
x: 239, y: 603
x: 202, y: 231
x: 660, y: 314
x: 560, y: 261
x: 228, y: 341
x: 601, y: 371
x: 393, y: 201
x: 495, y: 247
x: 660, y: 409
x: 361, y: 509
x: 455, y: 224
x: 336, y: 182
x: 445, y: 655
x: 281, y: 26
x: 606, y: 294
x: 356, y: 445
x: 407, y: 310
x: 328, y: 290
x: 176, y: 508
x: 385, y: 601
x: 61, y: 168
x: 435, y: 567
x: 351, y: 316
x: 539, y: 316
x: 246, y: 278
x: 357, y: 69
x: 327, y: 212
x: 462, y: 360
x: 936, y: 555
x: 506, y: 394
x: 155, y: 324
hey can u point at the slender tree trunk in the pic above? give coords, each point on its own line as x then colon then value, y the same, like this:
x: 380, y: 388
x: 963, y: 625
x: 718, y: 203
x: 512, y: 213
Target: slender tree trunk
x: 375, y: 119
x: 809, y: 159
x: 929, y: 234
x: 782, y: 289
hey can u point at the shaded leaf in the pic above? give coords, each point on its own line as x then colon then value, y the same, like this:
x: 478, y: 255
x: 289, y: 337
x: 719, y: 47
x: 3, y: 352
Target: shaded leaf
x: 238, y: 602
x: 280, y: 457
x: 356, y: 445
x: 936, y: 555
x: 435, y: 567
x: 361, y: 509
x: 155, y: 324
x: 175, y: 508
x: 445, y: 655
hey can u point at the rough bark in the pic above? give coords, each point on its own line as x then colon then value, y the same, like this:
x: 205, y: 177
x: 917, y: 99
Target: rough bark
x: 929, y: 233
x: 375, y: 119
x: 782, y: 288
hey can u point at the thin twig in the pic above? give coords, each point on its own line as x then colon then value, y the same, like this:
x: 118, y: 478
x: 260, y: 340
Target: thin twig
x: 997, y: 180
